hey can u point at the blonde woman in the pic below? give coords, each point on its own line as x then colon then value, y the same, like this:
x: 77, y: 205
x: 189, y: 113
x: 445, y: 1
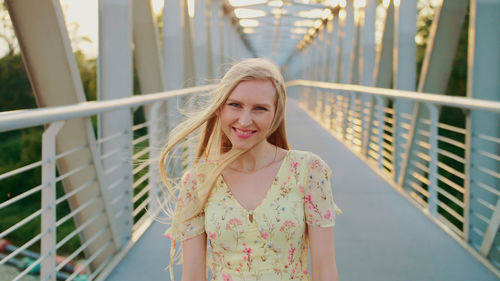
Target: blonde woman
x: 261, y: 205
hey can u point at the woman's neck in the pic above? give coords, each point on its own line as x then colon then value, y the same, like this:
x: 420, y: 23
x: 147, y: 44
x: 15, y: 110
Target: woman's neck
x: 259, y: 157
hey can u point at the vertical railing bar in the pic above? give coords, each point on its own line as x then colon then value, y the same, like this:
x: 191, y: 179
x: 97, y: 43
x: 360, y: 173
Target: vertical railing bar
x: 433, y: 153
x: 323, y: 105
x: 381, y: 117
x: 332, y: 109
x: 48, y: 220
x: 345, y: 114
x: 367, y: 127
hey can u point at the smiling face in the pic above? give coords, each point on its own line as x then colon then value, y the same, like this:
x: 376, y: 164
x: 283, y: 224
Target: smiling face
x: 248, y: 113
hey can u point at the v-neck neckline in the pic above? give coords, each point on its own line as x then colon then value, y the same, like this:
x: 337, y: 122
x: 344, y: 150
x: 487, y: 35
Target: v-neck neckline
x: 252, y: 211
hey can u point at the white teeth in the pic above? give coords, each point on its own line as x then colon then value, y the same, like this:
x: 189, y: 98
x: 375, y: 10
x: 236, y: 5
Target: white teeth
x: 243, y: 132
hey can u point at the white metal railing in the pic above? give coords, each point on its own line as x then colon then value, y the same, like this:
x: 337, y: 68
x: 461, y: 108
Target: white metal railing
x: 436, y: 173
x: 92, y: 216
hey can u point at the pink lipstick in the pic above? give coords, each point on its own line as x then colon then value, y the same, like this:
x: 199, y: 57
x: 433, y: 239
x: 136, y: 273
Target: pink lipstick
x: 242, y: 133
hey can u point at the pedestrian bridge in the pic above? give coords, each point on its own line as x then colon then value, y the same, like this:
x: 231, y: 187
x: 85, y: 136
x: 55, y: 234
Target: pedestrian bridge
x: 416, y: 170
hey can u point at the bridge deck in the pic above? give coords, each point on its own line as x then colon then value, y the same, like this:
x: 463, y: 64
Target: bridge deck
x: 380, y: 236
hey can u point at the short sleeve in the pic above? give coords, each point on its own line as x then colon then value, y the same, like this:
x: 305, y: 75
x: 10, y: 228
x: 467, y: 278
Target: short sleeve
x: 319, y: 207
x: 183, y: 225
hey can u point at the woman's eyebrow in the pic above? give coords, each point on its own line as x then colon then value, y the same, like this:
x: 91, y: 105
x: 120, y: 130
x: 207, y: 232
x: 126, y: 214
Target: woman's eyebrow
x: 258, y: 104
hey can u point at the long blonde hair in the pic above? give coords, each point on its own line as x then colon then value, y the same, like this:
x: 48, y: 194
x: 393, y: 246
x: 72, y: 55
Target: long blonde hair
x: 213, y: 145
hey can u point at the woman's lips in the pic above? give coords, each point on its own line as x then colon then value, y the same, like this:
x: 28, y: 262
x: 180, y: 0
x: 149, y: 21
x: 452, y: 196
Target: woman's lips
x: 242, y: 133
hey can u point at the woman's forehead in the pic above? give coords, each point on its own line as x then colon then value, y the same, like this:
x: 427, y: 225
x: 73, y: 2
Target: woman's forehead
x: 260, y: 91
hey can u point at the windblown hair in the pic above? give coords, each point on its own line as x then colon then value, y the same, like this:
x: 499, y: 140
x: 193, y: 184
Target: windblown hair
x: 213, y: 145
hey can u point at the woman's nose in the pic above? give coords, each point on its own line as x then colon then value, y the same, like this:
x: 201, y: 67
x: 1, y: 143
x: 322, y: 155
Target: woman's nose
x: 245, y: 118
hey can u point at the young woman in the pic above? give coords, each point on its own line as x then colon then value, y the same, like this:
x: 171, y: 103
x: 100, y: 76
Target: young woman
x: 261, y: 205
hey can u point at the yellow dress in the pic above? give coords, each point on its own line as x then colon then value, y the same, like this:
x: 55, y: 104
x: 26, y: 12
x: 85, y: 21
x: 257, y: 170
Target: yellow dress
x: 274, y: 245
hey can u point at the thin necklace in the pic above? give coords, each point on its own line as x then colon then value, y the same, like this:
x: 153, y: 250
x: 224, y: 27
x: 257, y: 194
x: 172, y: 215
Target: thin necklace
x: 258, y: 169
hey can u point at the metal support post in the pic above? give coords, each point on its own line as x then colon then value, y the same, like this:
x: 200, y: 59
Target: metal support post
x: 404, y: 66
x: 48, y: 223
x: 482, y: 83
x: 155, y: 139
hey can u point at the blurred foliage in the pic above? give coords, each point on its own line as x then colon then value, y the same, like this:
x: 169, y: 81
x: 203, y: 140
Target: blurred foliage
x: 22, y: 147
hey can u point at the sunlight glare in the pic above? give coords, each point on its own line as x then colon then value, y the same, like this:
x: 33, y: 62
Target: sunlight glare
x: 85, y: 14
x: 243, y: 13
x: 157, y: 6
x: 277, y: 11
x: 248, y: 30
x: 190, y: 6
x: 359, y: 3
x: 342, y: 15
x: 298, y: 30
x: 249, y: 23
x: 305, y: 23
x: 318, y: 23
x: 326, y: 13
x: 312, y: 14
x: 278, y: 3
x: 241, y: 3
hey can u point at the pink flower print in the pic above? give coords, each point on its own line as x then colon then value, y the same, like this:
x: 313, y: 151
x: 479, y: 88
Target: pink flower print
x: 264, y: 235
x: 201, y: 177
x: 233, y: 224
x: 315, y: 164
x: 247, y: 251
x: 233, y: 221
x: 305, y: 272
x: 309, y: 202
x: 327, y: 215
x: 291, y: 252
x: 293, y: 166
x: 227, y: 277
x: 287, y: 224
x: 212, y: 235
x: 246, y: 255
x: 301, y: 187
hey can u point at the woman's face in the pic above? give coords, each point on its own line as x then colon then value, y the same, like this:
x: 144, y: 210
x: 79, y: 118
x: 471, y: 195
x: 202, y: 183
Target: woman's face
x: 247, y: 115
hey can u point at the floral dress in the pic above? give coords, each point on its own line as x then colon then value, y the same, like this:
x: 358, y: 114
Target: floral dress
x: 270, y: 242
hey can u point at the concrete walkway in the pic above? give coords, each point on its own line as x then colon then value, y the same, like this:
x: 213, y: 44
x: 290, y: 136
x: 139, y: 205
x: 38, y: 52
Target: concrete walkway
x: 380, y: 236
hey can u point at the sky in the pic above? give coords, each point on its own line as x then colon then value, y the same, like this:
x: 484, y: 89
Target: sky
x: 84, y: 12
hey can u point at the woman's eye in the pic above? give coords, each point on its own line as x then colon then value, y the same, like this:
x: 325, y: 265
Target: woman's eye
x: 261, y: 108
x: 233, y: 104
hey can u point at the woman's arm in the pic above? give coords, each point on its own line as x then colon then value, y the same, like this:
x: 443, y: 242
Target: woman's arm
x: 323, y: 266
x: 194, y: 254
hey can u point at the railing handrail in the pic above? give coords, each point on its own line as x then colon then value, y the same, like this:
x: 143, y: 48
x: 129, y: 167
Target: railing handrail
x: 24, y: 118
x: 462, y: 102
x: 19, y: 119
